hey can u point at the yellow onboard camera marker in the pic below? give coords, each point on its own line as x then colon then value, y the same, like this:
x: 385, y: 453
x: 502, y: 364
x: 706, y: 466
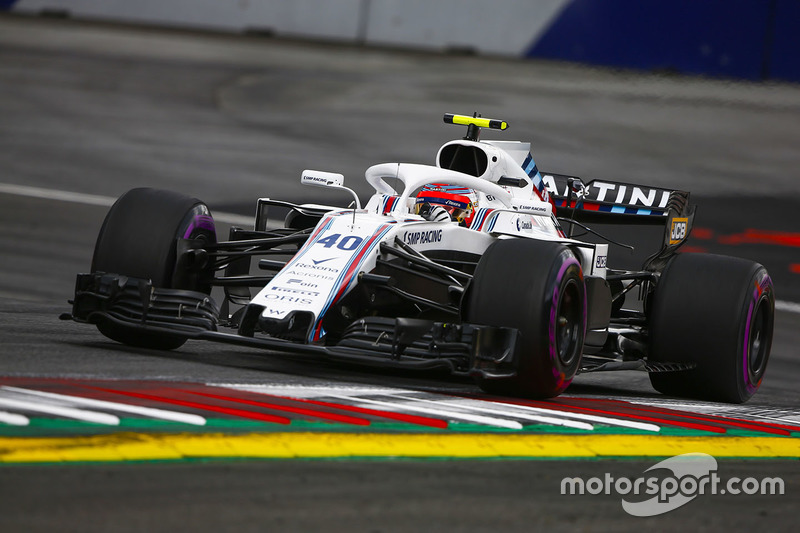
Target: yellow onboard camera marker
x: 464, y: 120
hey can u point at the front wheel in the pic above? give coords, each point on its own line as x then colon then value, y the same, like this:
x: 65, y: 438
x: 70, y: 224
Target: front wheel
x: 139, y: 239
x: 715, y: 312
x: 536, y: 287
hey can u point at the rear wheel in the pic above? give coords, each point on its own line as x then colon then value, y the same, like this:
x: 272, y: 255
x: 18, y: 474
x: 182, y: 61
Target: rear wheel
x: 536, y: 287
x: 139, y: 239
x: 718, y: 313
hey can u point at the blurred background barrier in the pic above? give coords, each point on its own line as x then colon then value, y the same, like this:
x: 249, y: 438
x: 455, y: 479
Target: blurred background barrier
x: 746, y: 39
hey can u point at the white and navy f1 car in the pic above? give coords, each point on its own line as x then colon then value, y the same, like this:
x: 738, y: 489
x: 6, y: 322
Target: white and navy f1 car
x: 469, y: 265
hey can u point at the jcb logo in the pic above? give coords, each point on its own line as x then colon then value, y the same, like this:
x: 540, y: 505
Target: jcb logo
x: 678, y: 232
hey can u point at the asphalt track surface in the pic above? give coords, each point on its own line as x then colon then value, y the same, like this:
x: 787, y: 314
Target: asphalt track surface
x: 96, y: 110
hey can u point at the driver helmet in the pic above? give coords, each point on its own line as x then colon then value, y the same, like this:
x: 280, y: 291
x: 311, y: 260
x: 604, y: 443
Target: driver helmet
x: 458, y: 201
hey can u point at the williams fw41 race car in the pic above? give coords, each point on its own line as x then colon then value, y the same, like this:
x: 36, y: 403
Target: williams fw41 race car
x: 471, y: 266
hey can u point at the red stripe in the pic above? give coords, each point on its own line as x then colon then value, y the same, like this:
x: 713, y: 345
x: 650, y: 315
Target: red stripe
x: 354, y: 266
x: 297, y: 410
x: 735, y: 422
x: 702, y: 233
x: 665, y: 418
x: 693, y: 249
x: 794, y: 268
x: 205, y: 407
x: 442, y: 195
x: 755, y: 236
x: 319, y: 228
x: 485, y: 218
x: 410, y: 419
x: 588, y: 206
x: 310, y: 242
x: 389, y: 204
x: 554, y: 404
x: 768, y: 424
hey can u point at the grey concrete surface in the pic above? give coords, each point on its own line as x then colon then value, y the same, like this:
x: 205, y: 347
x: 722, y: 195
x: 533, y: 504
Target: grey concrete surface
x: 369, y: 496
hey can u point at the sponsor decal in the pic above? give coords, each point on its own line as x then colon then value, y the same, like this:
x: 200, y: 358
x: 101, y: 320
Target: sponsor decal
x: 531, y: 207
x: 310, y: 275
x: 422, y: 237
x: 302, y: 283
x: 601, y: 262
x: 317, y: 177
x: 309, y: 266
x: 678, y: 230
x: 524, y: 223
x: 295, y: 291
x: 318, y: 261
x: 617, y: 193
x: 289, y: 299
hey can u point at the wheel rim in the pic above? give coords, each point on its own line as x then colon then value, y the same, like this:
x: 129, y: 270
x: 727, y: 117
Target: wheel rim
x: 568, y: 323
x: 757, y: 346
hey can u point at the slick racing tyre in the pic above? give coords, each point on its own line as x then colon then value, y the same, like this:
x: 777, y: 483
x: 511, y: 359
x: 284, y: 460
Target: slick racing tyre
x: 718, y: 313
x: 139, y: 239
x: 536, y: 287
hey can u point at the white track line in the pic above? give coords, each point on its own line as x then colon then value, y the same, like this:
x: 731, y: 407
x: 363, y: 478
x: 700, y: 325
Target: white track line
x: 62, y: 196
x: 787, y: 306
x: 470, y: 404
x: 66, y: 412
x: 163, y: 414
x: 13, y: 419
x: 475, y: 419
x: 225, y: 218
x: 103, y: 201
x: 593, y: 418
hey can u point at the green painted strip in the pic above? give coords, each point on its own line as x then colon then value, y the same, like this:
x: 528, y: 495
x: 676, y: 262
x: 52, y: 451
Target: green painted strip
x: 65, y: 427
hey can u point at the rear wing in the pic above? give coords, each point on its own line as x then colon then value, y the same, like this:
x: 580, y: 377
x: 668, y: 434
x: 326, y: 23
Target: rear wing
x: 603, y: 197
x: 605, y: 201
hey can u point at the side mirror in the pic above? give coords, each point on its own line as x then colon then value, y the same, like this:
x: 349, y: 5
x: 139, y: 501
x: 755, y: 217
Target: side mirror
x: 322, y: 179
x: 332, y: 180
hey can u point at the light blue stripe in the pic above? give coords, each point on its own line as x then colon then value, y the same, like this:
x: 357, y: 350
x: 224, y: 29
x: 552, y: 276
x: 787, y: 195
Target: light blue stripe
x: 491, y: 225
x: 529, y: 167
x: 476, y: 223
x: 538, y: 182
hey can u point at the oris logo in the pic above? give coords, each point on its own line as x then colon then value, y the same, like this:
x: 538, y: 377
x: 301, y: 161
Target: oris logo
x: 678, y: 231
